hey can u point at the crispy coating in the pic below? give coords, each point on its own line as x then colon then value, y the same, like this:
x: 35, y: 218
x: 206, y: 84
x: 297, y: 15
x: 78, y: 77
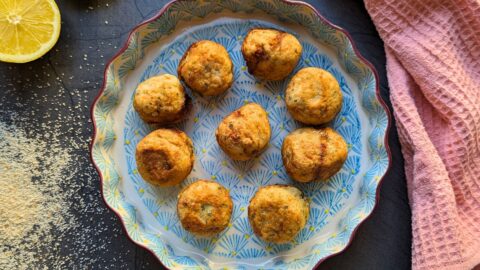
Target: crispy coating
x: 165, y: 157
x: 313, y: 154
x: 206, y: 68
x: 204, y: 208
x: 313, y: 96
x: 278, y: 212
x: 271, y: 54
x: 244, y: 133
x: 161, y: 100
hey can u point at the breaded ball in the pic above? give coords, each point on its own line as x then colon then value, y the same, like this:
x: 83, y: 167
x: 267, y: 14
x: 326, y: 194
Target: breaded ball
x: 206, y: 68
x: 278, y: 212
x: 313, y: 96
x: 161, y: 99
x: 165, y: 157
x: 244, y: 133
x: 204, y: 208
x: 313, y: 154
x: 271, y: 54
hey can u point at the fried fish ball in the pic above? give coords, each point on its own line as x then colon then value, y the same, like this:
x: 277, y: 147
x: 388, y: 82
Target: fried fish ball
x: 271, y: 54
x: 161, y: 100
x: 313, y: 154
x: 204, y: 208
x: 313, y: 96
x: 206, y: 68
x: 278, y: 212
x: 244, y: 133
x: 165, y: 157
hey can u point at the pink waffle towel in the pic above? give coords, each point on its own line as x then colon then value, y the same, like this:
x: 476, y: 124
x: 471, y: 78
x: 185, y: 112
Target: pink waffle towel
x: 433, y: 67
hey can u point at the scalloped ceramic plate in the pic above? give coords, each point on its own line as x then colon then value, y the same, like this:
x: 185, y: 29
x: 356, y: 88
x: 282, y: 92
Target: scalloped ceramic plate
x: 148, y: 213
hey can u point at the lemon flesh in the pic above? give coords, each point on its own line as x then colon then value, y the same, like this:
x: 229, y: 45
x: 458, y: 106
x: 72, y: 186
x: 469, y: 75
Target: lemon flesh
x: 28, y: 29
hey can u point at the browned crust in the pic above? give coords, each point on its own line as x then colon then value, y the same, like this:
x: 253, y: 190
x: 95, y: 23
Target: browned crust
x: 197, y: 228
x: 260, y: 54
x: 323, y: 173
x: 184, y: 57
x: 289, y: 165
x: 158, y: 166
x: 275, y: 185
x: 182, y: 60
x: 328, y: 110
x: 320, y: 172
x: 323, y: 147
x: 231, y: 70
x: 287, y: 161
x: 187, y: 105
x: 251, y: 215
x: 225, y: 140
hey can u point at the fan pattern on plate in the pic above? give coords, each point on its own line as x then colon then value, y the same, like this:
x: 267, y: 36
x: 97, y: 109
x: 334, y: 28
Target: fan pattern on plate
x: 330, y: 201
x: 243, y: 178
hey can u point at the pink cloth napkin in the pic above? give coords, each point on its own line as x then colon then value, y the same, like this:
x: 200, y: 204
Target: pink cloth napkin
x: 433, y: 66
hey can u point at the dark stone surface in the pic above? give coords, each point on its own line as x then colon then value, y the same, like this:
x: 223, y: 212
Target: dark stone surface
x: 92, y: 32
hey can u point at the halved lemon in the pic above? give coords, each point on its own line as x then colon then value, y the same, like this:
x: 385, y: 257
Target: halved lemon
x: 28, y: 29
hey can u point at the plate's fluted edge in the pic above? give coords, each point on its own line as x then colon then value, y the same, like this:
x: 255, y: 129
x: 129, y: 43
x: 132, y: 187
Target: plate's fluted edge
x: 94, y: 124
x: 289, y: 2
x: 387, y: 130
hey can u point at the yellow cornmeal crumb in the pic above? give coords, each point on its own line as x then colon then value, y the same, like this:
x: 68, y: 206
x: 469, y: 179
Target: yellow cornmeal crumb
x: 20, y: 202
x: 32, y: 203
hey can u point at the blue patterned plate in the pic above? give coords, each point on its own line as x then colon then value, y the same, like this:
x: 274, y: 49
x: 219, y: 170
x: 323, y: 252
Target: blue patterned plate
x: 148, y: 213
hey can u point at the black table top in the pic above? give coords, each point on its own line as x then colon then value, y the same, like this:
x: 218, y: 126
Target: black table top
x: 92, y: 32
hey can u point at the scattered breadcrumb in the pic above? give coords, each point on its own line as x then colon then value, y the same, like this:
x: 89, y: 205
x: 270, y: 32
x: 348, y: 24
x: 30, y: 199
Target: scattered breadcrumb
x: 53, y: 216
x: 51, y: 212
x: 33, y: 202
